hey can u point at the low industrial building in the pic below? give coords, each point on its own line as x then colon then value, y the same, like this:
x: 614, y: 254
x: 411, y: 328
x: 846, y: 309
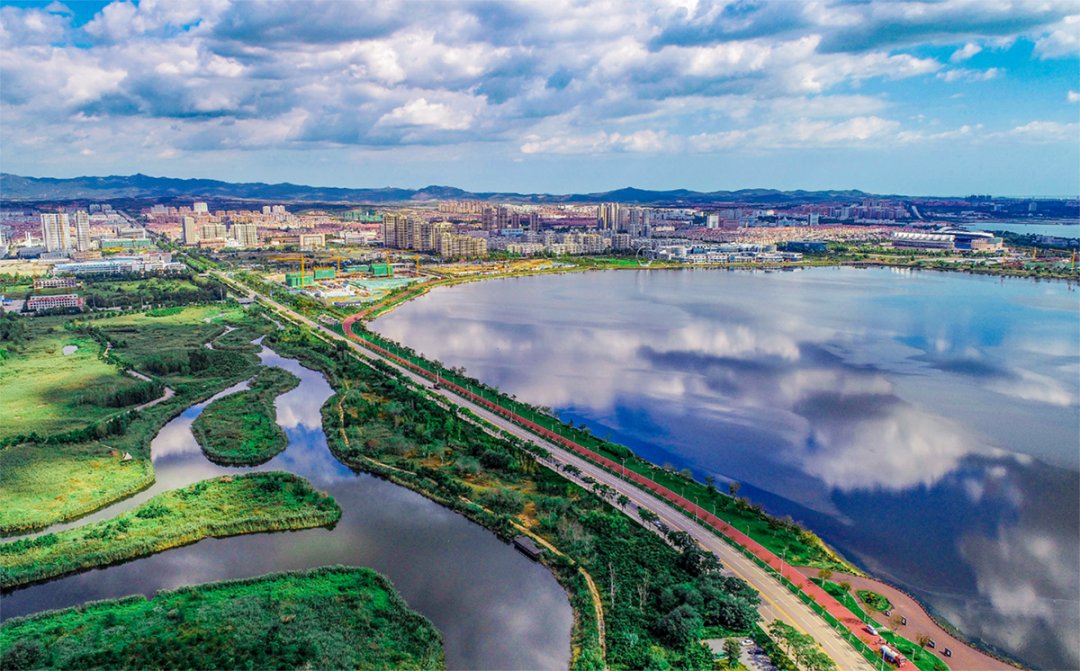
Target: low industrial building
x: 909, y: 240
x: 948, y: 238
x: 117, y: 265
x: 55, y: 282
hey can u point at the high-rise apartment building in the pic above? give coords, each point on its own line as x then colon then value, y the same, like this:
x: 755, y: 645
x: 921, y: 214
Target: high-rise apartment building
x: 55, y: 230
x: 200, y: 207
x: 502, y: 218
x: 212, y: 232
x: 428, y: 234
x: 607, y: 216
x: 487, y: 219
x: 400, y: 232
x: 82, y: 231
x: 460, y: 246
x: 534, y: 222
x: 246, y: 234
x: 191, y: 234
x: 639, y: 220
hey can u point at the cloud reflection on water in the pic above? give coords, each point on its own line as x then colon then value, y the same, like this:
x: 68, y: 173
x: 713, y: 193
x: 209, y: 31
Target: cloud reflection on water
x: 863, y: 395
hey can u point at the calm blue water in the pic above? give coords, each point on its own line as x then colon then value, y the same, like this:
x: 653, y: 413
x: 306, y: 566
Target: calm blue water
x: 925, y: 424
x: 1058, y: 231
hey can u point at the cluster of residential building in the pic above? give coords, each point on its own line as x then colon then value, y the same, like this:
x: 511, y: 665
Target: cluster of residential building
x: 272, y: 225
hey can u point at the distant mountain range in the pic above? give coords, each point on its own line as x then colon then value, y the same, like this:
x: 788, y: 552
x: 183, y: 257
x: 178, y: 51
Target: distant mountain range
x: 18, y: 188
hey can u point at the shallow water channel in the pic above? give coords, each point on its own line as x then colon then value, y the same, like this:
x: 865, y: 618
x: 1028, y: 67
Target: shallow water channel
x: 494, y: 607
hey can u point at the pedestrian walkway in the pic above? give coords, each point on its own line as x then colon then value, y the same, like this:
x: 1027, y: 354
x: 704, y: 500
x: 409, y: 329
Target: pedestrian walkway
x: 964, y: 657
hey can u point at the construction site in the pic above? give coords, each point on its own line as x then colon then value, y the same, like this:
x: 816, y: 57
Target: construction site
x: 344, y: 280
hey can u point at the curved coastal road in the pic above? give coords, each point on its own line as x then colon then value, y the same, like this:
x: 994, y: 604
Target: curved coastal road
x: 777, y: 601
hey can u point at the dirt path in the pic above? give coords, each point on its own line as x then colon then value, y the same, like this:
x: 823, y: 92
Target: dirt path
x: 964, y: 657
x: 169, y: 393
x: 598, y: 604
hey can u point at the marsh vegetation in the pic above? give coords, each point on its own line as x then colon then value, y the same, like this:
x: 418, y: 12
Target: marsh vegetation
x: 242, y: 428
x: 225, y: 506
x: 66, y: 422
x: 326, y: 618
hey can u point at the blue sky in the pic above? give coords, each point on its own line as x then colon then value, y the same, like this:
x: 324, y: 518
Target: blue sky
x: 922, y: 98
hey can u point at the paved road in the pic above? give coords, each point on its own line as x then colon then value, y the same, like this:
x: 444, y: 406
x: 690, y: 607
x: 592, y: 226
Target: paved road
x: 777, y: 601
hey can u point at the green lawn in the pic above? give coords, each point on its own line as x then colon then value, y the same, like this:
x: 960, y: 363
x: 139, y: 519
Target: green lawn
x: 242, y: 428
x: 923, y: 659
x: 844, y: 598
x: 325, y: 618
x: 224, y: 506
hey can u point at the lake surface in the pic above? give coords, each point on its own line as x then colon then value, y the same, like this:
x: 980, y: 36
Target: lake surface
x: 1056, y: 230
x: 496, y: 609
x: 924, y: 424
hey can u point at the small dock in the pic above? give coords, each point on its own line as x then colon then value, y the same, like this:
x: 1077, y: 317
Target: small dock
x: 528, y: 546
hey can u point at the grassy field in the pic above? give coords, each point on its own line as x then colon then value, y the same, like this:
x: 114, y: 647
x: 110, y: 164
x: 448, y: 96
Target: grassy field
x: 46, y: 484
x: 45, y: 392
x: 162, y: 345
x: 242, y: 428
x: 54, y: 470
x: 326, y: 618
x: 225, y: 506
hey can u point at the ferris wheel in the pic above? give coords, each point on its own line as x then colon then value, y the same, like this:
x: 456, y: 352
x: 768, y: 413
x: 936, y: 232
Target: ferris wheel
x: 645, y: 257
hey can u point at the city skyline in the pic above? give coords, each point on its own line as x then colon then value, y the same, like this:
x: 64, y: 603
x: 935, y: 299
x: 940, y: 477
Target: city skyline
x: 915, y: 98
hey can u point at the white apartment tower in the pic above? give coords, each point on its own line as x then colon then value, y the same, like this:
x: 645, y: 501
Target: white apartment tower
x: 82, y: 231
x: 55, y: 230
x: 200, y: 207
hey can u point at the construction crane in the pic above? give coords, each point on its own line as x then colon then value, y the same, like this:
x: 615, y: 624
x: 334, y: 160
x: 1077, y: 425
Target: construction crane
x: 1035, y: 251
x: 291, y: 258
x: 338, y: 260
